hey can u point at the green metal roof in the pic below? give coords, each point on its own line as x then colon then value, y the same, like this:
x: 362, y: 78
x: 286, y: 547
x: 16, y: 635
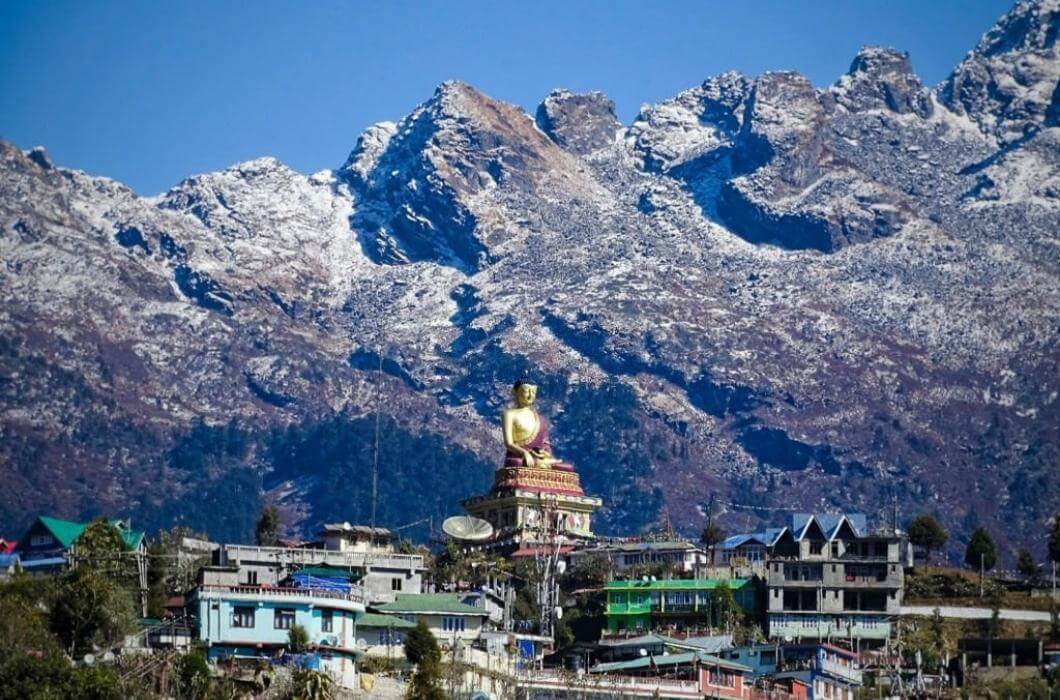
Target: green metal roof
x: 67, y: 532
x: 426, y: 603
x: 330, y: 572
x: 666, y: 660
x: 677, y: 584
x: 384, y: 621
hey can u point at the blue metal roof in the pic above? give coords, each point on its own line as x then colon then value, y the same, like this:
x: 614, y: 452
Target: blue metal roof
x: 828, y: 522
x: 765, y: 537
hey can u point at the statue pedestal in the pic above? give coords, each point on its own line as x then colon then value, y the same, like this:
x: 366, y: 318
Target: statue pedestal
x: 530, y: 507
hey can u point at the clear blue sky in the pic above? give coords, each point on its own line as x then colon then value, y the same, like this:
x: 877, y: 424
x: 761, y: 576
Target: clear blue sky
x: 149, y: 92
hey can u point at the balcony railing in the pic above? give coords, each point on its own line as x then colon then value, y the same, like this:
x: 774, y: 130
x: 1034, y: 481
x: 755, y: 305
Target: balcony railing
x: 356, y: 595
x: 307, y: 555
x: 842, y: 671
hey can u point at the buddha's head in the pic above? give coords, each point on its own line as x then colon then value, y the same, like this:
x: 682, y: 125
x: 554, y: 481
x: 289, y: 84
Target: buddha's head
x: 524, y: 393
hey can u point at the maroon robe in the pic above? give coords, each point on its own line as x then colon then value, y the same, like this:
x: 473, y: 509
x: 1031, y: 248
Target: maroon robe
x: 539, y: 442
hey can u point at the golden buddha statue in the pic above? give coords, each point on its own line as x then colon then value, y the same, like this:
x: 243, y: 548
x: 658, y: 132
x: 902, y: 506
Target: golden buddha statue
x: 526, y: 436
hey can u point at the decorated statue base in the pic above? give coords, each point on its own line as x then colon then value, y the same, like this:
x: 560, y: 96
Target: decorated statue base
x: 537, y: 499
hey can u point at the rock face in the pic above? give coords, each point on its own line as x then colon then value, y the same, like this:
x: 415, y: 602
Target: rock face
x: 580, y: 124
x: 784, y: 296
x: 1010, y: 83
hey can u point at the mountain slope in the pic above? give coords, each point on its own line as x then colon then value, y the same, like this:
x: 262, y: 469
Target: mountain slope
x: 788, y: 296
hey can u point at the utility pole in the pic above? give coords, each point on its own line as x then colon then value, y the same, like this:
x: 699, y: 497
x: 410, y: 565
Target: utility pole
x: 982, y: 571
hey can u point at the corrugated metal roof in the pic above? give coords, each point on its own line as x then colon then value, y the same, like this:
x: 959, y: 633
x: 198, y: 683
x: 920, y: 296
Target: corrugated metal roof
x: 384, y: 621
x: 427, y: 603
x: 666, y: 660
x: 67, y: 532
x: 678, y: 584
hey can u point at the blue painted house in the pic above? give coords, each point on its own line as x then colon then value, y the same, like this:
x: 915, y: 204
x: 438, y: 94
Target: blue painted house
x: 254, y: 622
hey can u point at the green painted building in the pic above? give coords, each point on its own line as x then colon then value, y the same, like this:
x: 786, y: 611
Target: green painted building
x: 639, y: 605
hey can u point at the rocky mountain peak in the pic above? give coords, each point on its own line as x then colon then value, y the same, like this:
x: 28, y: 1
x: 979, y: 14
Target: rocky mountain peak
x: 579, y: 123
x: 783, y: 121
x: 882, y: 78
x: 1009, y: 84
x: 779, y: 294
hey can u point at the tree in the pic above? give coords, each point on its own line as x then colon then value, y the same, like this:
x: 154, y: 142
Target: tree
x: 267, y: 532
x: 926, y: 532
x: 1027, y: 566
x: 981, y: 550
x: 1054, y: 540
x: 192, y: 676
x: 102, y: 549
x: 297, y: 639
x: 712, y: 534
x: 421, y: 649
x: 88, y: 609
x: 724, y: 606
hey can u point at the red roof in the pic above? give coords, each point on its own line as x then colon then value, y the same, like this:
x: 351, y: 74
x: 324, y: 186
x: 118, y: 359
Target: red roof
x: 7, y: 546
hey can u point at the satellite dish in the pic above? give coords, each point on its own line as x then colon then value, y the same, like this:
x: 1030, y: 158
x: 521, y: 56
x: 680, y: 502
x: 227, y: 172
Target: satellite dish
x: 90, y: 659
x: 108, y: 657
x: 467, y: 528
x: 361, y: 643
x: 788, y: 638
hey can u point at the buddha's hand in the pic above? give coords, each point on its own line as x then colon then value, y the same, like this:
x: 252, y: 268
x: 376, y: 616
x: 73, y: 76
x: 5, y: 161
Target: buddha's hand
x: 528, y: 459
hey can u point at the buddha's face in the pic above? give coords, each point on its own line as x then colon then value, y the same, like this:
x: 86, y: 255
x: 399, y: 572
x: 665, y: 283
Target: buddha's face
x: 524, y: 395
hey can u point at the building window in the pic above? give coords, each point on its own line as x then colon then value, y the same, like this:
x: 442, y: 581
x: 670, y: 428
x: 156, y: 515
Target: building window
x: 283, y: 619
x: 40, y: 540
x: 816, y: 546
x: 252, y: 578
x: 453, y: 624
x: 243, y: 616
x: 395, y: 584
x: 327, y: 621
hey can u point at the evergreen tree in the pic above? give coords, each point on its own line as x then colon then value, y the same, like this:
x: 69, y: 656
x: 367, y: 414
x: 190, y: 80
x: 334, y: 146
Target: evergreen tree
x: 421, y: 649
x: 926, y: 532
x: 981, y: 550
x: 724, y: 605
x: 267, y: 532
x: 1054, y: 540
x: 1027, y: 566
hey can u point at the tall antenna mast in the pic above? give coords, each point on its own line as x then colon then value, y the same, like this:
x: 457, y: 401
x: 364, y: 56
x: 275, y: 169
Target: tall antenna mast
x: 375, y: 450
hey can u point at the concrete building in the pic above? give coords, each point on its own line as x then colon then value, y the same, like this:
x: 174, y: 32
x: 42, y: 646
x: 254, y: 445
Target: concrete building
x: 383, y: 636
x: 713, y: 677
x: 825, y: 670
x: 747, y: 554
x: 678, y: 555
x: 830, y: 578
x: 254, y: 622
x: 360, y: 550
x: 681, y: 605
x: 447, y: 617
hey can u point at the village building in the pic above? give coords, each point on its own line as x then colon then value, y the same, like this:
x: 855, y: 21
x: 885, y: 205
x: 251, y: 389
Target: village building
x: 383, y: 636
x: 679, y: 556
x: 361, y: 551
x: 745, y: 554
x: 236, y: 621
x: 829, y: 577
x: 48, y: 545
x: 826, y: 671
x: 709, y: 675
x: 445, y: 615
x: 680, y: 605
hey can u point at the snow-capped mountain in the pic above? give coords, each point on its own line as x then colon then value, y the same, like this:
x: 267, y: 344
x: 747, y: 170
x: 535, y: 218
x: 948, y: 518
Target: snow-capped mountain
x: 791, y: 297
